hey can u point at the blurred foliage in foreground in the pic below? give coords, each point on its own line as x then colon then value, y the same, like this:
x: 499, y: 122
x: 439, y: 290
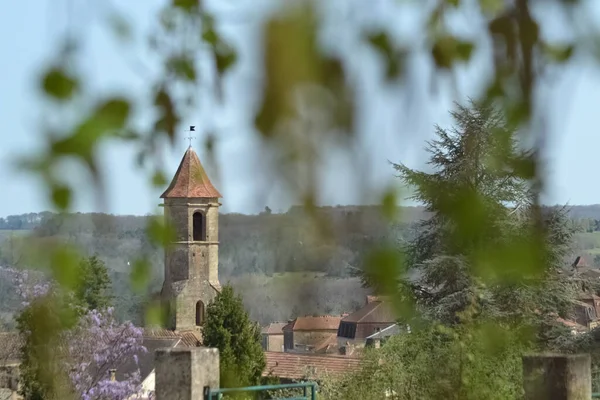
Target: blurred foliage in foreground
x: 489, y: 241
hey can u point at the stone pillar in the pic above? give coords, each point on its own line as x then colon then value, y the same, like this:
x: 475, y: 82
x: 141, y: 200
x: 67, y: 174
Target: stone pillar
x: 557, y: 377
x: 183, y: 373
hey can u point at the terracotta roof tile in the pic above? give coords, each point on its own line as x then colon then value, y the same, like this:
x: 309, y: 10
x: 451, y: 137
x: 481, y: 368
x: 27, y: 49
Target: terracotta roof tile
x: 298, y: 366
x: 326, y: 322
x: 190, y: 180
x: 188, y: 338
x: 329, y: 344
x: 374, y: 312
x: 274, y: 328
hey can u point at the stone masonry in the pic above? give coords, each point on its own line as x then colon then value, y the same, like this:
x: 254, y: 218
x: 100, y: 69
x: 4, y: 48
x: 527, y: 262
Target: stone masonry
x: 191, y: 266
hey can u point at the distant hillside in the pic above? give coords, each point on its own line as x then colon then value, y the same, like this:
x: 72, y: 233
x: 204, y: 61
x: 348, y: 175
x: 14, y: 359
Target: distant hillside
x: 254, y: 250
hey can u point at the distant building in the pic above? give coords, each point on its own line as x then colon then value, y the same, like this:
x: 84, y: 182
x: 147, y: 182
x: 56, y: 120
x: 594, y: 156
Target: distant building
x: 191, y: 205
x: 376, y: 315
x: 304, y: 334
x: 377, y: 339
x: 272, y: 336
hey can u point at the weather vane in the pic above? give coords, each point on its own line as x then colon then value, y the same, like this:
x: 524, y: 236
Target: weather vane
x: 192, y: 129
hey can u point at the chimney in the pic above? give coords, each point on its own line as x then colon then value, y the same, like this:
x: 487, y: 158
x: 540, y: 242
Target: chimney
x: 113, y: 374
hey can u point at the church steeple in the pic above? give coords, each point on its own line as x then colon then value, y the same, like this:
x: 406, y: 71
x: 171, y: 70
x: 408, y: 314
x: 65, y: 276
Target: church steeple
x: 190, y: 180
x: 192, y: 260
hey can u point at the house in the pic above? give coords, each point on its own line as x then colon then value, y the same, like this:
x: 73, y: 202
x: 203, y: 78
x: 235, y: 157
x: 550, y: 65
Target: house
x: 272, y: 336
x: 303, y: 334
x: 379, y: 338
x: 297, y: 366
x: 354, y: 329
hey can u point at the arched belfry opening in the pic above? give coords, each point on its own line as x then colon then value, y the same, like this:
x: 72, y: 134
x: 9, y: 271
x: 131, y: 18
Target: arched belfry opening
x: 199, y: 227
x: 199, y: 313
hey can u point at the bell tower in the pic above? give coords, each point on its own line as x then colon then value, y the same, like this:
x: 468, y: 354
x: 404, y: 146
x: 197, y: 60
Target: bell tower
x: 191, y: 205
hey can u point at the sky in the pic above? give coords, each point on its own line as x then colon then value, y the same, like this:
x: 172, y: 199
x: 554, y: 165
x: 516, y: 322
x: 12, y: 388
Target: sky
x: 393, y: 122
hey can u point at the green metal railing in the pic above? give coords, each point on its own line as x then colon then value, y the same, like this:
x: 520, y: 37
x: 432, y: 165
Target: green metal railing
x: 309, y: 391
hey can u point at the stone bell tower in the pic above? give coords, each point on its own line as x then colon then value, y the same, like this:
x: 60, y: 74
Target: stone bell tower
x: 191, y: 204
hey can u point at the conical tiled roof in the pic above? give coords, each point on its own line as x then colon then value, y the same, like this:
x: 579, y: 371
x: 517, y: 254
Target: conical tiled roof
x: 190, y: 180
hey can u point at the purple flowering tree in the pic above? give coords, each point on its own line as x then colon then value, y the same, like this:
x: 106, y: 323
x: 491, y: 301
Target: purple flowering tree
x: 97, y: 344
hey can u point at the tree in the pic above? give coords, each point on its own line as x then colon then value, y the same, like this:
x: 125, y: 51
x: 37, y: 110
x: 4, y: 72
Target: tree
x: 228, y: 328
x: 487, y: 248
x: 69, y: 355
x: 94, y: 285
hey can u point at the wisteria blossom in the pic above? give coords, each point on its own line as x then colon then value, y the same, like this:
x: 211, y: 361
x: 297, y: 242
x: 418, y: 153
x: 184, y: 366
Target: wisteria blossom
x: 29, y: 286
x: 97, y: 344
x: 100, y: 343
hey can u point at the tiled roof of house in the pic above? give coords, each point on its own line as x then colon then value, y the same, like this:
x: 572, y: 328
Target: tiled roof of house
x: 188, y: 338
x: 374, y: 312
x: 190, y: 180
x: 274, y: 328
x: 321, y: 323
x: 327, y: 345
x: 298, y: 366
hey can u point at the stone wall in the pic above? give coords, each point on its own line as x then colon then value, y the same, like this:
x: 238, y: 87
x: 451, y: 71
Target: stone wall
x: 557, y: 377
x: 183, y: 373
x: 191, y: 267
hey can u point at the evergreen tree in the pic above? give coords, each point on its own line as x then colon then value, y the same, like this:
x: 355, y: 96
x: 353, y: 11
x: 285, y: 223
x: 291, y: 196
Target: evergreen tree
x: 228, y: 328
x: 487, y: 249
x: 94, y: 285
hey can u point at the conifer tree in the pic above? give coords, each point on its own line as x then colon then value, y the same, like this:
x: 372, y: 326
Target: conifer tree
x: 487, y: 248
x: 94, y: 285
x: 228, y: 328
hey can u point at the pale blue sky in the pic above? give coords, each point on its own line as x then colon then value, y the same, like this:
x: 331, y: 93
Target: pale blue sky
x: 29, y: 30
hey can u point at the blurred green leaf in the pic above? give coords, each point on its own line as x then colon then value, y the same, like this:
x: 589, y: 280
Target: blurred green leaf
x: 464, y: 50
x: 388, y: 203
x: 168, y: 116
x: 559, y: 53
x: 159, y: 232
x: 491, y: 6
x: 291, y: 58
x: 187, y: 5
x: 209, y: 34
x: 384, y: 268
x: 225, y: 58
x: 182, y: 67
x: 155, y: 314
x: 382, y: 43
x: 112, y: 114
x: 61, y: 197
x: 58, y: 84
x: 65, y: 266
x: 448, y: 49
x: 140, y: 275
x: 159, y: 179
